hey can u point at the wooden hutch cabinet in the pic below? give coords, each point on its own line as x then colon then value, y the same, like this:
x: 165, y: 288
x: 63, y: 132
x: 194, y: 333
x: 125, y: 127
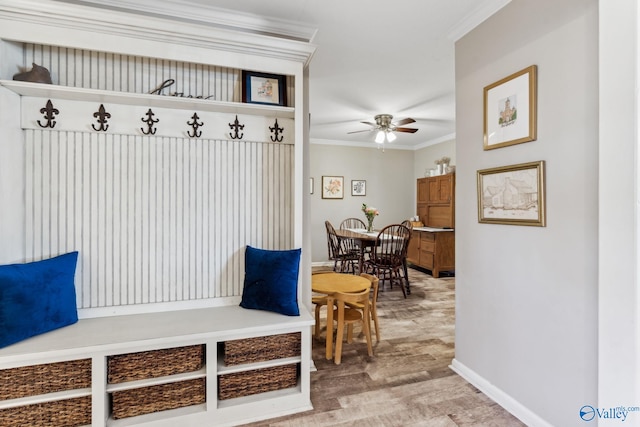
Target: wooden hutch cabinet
x: 433, y: 246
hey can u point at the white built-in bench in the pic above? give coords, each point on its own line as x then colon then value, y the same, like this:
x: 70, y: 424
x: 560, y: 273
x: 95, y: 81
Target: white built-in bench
x: 99, y: 338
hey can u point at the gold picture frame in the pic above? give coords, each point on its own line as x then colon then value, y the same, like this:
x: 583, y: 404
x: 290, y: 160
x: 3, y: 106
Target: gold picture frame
x: 510, y: 109
x: 512, y: 195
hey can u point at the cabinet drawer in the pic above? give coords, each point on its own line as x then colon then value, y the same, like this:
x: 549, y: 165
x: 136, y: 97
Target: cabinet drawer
x: 427, y: 237
x: 428, y: 246
x: 426, y: 259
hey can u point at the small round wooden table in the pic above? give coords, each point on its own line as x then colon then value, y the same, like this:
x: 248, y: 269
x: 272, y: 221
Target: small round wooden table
x: 330, y: 283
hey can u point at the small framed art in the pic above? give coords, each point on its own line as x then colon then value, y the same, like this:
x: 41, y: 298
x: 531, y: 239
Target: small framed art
x: 358, y: 187
x: 513, y: 195
x: 332, y: 187
x: 261, y: 88
x: 510, y: 109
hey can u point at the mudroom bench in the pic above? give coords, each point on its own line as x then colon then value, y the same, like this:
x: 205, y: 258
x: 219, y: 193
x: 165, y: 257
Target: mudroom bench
x: 218, y: 366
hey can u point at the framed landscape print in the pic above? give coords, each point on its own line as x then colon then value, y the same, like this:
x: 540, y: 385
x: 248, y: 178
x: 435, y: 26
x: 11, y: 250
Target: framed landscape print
x: 510, y: 110
x: 332, y: 187
x: 513, y: 195
x: 358, y: 187
x: 261, y: 88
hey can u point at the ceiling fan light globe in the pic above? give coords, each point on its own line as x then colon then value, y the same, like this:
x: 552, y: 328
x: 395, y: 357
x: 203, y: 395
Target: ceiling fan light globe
x: 380, y: 137
x: 391, y: 137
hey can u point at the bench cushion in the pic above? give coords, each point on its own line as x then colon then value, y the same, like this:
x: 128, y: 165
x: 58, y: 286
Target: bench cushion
x: 271, y: 280
x: 37, y: 297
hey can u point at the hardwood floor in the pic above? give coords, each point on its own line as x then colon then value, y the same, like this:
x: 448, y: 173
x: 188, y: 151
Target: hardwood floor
x: 407, y: 382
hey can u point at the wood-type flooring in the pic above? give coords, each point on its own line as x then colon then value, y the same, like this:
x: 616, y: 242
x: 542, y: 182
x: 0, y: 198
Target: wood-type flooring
x: 407, y: 382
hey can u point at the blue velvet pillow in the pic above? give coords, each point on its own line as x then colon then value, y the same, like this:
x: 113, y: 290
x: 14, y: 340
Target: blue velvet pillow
x: 37, y: 297
x: 271, y: 280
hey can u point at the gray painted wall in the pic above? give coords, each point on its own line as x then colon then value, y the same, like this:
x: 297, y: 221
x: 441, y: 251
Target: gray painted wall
x: 526, y: 297
x: 425, y: 157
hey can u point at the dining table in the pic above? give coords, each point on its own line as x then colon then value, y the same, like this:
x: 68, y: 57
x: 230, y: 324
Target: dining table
x: 329, y: 284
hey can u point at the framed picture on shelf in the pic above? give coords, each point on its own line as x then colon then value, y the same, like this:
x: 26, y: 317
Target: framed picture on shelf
x: 358, y: 187
x: 510, y: 109
x: 513, y: 195
x: 332, y: 187
x: 262, y: 88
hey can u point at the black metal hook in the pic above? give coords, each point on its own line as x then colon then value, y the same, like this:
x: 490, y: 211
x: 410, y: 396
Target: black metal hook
x: 102, y: 117
x: 149, y: 121
x: 236, y: 127
x: 195, y: 125
x: 277, y: 132
x: 49, y: 115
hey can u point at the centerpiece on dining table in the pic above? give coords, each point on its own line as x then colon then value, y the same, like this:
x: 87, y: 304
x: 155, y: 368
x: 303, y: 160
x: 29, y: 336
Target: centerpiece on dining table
x: 370, y: 212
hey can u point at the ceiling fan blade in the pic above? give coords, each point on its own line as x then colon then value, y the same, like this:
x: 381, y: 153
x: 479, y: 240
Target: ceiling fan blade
x: 369, y: 123
x: 407, y: 130
x: 404, y: 122
x: 358, y: 131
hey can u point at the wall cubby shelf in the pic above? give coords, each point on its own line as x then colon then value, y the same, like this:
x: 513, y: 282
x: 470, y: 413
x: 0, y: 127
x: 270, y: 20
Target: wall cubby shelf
x: 139, y: 99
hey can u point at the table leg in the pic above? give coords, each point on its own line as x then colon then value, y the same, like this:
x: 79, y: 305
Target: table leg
x: 329, y: 340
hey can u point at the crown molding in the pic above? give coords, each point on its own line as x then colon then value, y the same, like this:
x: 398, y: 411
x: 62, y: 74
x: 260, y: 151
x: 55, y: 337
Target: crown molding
x: 475, y: 18
x: 203, y: 13
x: 372, y: 145
x: 73, y: 25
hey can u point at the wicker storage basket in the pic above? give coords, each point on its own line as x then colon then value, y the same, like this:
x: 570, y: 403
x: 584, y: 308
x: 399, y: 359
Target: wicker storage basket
x: 61, y: 413
x: 257, y: 381
x: 261, y: 349
x: 42, y: 379
x: 145, y: 400
x: 152, y: 364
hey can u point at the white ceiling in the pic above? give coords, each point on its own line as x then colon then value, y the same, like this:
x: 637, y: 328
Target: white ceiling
x: 372, y: 57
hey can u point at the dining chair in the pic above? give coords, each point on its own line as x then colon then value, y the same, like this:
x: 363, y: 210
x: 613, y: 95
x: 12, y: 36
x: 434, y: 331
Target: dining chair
x: 353, y: 224
x: 319, y: 301
x: 373, y: 301
x: 388, y: 256
x: 343, y: 315
x: 345, y: 259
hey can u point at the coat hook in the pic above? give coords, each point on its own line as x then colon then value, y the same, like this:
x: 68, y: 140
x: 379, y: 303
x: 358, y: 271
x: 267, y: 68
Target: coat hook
x: 277, y: 132
x: 49, y: 115
x: 102, y: 117
x: 236, y: 127
x: 149, y: 121
x: 195, y: 124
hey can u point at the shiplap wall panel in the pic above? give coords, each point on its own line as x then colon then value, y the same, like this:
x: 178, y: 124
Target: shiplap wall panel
x: 125, y: 73
x: 155, y: 219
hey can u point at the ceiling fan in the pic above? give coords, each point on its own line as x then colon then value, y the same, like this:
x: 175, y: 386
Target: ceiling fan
x: 385, y: 127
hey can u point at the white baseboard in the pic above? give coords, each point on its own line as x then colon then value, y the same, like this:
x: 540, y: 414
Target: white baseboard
x: 500, y: 397
x: 322, y: 264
